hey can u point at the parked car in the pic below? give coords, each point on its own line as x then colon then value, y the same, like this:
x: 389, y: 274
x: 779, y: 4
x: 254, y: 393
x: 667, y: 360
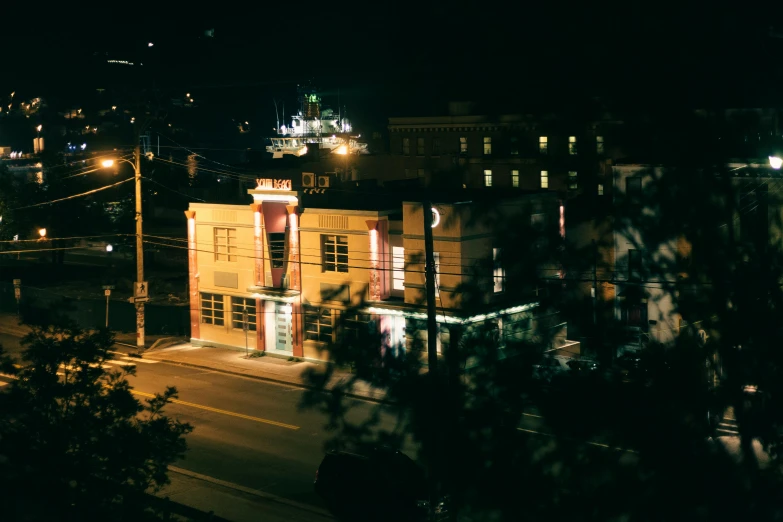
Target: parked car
x: 375, y: 484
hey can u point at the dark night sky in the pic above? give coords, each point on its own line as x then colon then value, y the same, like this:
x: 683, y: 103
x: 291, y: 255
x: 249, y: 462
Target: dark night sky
x: 400, y: 57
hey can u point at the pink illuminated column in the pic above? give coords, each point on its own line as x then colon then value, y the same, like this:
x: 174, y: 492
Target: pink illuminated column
x: 293, y: 248
x: 258, y: 244
x: 375, y: 276
x: 193, y: 275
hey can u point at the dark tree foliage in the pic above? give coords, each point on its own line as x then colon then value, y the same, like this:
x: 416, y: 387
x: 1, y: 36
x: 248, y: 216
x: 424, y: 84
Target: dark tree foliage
x: 598, y: 447
x: 75, y: 442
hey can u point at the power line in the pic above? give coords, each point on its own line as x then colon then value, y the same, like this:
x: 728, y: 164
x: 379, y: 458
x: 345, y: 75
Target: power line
x: 75, y: 195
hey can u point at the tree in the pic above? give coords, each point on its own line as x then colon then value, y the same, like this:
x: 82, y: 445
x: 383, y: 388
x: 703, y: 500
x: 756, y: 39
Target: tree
x: 75, y: 443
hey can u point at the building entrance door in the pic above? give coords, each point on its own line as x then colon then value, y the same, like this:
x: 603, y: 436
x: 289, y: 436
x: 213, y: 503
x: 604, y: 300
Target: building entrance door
x: 283, y: 327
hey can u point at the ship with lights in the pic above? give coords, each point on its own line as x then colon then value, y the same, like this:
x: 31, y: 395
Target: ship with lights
x: 315, y: 126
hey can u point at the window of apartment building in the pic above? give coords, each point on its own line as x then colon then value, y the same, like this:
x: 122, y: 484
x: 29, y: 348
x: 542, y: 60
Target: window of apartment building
x: 634, y: 264
x: 599, y: 144
x: 513, y: 146
x: 398, y: 268
x: 420, y: 146
x: 600, y: 189
x: 463, y: 145
x: 240, y: 305
x: 334, y: 253
x: 498, y: 272
x: 225, y: 244
x: 487, y: 178
x: 542, y: 144
x: 633, y: 186
x: 406, y: 146
x: 356, y: 326
x: 572, y: 145
x: 515, y: 178
x: 408, y: 173
x: 572, y: 180
x: 419, y: 173
x: 544, y: 179
x: 212, y: 309
x: 487, y: 145
x: 277, y: 249
x: 436, y: 146
x: 318, y: 324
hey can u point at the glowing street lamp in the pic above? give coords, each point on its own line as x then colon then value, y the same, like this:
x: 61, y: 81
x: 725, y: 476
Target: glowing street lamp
x: 42, y: 233
x: 107, y: 163
x: 775, y: 162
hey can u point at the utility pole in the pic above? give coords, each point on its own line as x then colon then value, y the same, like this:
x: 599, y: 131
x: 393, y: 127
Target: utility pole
x: 140, y: 297
x: 595, y: 284
x: 432, y: 351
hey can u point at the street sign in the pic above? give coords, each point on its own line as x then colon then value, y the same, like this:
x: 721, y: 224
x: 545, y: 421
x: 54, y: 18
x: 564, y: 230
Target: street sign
x: 141, y: 290
x: 138, y: 299
x: 108, y: 287
x: 17, y: 293
x: 17, y: 282
x: 107, y: 292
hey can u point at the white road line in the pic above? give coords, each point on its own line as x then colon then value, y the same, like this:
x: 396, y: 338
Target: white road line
x: 120, y: 363
x: 136, y: 359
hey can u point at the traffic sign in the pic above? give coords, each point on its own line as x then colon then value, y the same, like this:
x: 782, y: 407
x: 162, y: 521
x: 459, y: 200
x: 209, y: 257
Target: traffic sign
x: 141, y: 289
x: 107, y: 292
x: 108, y: 287
x: 138, y: 299
x: 17, y: 282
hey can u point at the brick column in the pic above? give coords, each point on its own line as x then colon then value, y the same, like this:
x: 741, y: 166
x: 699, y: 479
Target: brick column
x: 260, y: 325
x: 195, y: 320
x: 258, y: 243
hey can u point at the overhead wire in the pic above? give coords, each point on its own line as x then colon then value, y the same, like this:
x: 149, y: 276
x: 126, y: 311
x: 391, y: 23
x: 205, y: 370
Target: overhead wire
x: 75, y: 195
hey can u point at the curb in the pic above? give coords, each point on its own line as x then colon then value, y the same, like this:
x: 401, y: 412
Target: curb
x: 270, y: 379
x: 251, y: 491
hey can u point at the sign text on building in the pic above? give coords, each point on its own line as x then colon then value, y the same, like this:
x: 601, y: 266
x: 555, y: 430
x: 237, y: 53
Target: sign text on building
x: 273, y: 184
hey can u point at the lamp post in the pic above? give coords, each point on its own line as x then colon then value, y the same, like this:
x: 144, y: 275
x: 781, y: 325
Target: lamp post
x: 140, y: 290
x: 775, y: 162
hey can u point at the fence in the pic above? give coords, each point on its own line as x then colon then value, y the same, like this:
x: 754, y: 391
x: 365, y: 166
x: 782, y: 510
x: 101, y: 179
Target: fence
x: 91, y: 313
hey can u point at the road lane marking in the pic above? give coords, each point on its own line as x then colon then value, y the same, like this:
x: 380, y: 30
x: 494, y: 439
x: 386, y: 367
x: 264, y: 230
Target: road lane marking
x: 120, y: 363
x: 599, y: 444
x: 256, y: 492
x: 532, y: 415
x: 224, y: 412
x: 137, y: 359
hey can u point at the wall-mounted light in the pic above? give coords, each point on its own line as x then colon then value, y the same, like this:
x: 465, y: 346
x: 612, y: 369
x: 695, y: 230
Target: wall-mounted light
x: 435, y: 217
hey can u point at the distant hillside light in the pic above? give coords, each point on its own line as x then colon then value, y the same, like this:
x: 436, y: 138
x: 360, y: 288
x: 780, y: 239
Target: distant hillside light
x: 109, y: 248
x: 775, y: 162
x: 42, y: 232
x: 150, y: 44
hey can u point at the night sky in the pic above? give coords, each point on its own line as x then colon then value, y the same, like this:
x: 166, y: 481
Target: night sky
x: 394, y: 59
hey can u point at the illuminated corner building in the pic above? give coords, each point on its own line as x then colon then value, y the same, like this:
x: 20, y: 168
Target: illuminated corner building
x: 304, y: 275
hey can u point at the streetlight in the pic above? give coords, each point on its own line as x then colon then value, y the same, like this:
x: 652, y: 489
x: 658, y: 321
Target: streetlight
x: 42, y: 233
x: 775, y: 162
x: 140, y: 289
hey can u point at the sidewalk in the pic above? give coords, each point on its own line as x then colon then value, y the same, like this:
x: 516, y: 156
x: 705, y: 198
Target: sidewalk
x: 267, y: 368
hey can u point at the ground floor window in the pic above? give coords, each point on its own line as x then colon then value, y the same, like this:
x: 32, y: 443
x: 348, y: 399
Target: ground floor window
x: 212, y: 309
x: 319, y: 324
x: 238, y: 307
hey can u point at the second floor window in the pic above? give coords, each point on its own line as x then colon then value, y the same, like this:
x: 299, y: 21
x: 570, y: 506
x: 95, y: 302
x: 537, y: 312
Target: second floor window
x: 513, y: 146
x: 572, y: 180
x: 498, y: 273
x: 542, y: 145
x: 487, y: 178
x: 212, y: 309
x: 240, y: 305
x: 544, y: 179
x: 225, y: 244
x: 599, y: 145
x: 572, y: 145
x: 277, y: 249
x: 600, y: 189
x: 420, y: 146
x: 398, y: 268
x: 487, y: 145
x: 406, y: 146
x: 436, y: 146
x: 463, y: 145
x: 515, y: 178
x: 334, y: 253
